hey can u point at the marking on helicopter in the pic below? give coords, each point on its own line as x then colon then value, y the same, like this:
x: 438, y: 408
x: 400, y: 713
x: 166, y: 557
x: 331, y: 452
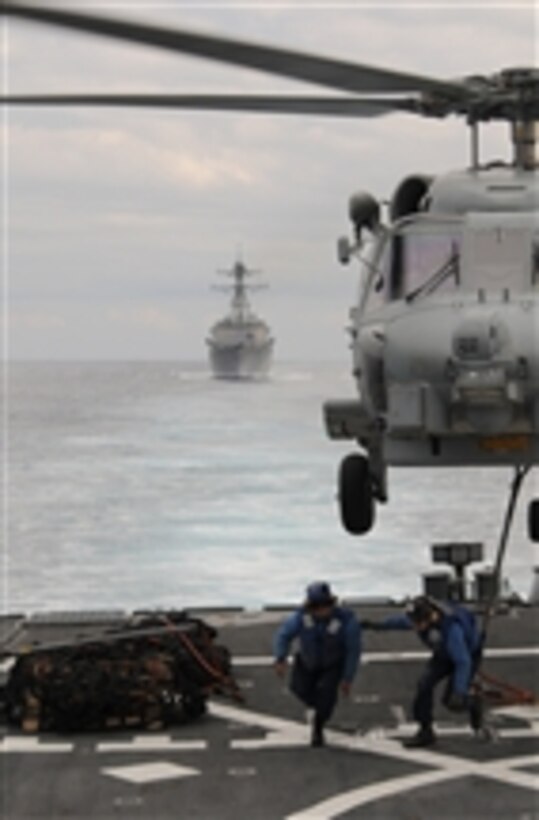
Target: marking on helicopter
x: 150, y: 772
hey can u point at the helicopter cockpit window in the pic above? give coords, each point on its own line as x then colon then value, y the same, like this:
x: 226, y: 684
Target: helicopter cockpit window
x: 424, y: 261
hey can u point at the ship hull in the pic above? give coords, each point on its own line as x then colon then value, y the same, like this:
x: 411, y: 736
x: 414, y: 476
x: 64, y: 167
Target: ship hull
x: 241, y: 361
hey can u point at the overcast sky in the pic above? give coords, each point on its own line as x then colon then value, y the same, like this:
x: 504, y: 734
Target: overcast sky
x: 117, y: 220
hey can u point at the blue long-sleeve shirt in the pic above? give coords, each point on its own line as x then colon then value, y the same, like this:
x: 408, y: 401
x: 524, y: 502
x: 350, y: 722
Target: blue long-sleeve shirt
x: 455, y: 637
x: 322, y: 643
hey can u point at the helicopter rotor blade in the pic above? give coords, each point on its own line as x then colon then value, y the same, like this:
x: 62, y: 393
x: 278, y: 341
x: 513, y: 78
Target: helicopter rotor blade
x: 321, y: 106
x: 337, y: 74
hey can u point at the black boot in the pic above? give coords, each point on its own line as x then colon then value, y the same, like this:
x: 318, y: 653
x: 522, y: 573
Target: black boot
x: 476, y: 713
x: 317, y: 738
x: 425, y: 737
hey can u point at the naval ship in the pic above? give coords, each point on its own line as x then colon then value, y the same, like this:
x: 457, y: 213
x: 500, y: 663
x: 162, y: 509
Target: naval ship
x: 240, y: 345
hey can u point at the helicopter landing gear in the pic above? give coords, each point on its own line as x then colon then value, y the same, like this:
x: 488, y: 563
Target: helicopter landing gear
x: 356, y: 497
x: 533, y: 520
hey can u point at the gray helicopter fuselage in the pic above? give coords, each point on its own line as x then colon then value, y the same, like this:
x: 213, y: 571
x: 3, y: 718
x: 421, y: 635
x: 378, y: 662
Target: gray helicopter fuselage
x: 445, y: 334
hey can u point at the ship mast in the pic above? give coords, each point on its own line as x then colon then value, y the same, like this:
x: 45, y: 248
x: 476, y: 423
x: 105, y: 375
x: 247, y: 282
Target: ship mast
x: 240, y: 302
x: 239, y: 305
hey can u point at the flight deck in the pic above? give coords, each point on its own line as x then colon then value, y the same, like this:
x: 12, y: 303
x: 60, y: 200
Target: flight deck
x: 254, y: 760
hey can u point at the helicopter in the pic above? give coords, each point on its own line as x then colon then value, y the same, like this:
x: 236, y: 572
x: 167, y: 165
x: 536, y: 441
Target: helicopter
x: 443, y: 335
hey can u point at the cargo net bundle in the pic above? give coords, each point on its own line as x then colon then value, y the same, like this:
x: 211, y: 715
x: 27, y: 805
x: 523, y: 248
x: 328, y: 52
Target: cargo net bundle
x: 155, y: 673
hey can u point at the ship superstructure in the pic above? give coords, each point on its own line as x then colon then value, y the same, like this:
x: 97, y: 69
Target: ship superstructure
x: 241, y: 344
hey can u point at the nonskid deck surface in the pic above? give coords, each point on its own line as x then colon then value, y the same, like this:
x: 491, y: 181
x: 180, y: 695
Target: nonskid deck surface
x: 254, y: 761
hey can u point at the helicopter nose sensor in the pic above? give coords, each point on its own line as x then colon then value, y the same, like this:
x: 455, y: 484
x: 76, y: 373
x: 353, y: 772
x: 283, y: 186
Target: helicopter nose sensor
x: 489, y: 385
x: 477, y: 339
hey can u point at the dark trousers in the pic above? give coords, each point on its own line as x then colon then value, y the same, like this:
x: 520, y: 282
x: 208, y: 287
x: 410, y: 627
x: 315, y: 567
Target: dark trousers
x: 440, y: 668
x: 318, y: 689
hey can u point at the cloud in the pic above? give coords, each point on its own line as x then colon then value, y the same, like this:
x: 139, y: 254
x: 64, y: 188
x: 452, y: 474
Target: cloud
x: 106, y: 206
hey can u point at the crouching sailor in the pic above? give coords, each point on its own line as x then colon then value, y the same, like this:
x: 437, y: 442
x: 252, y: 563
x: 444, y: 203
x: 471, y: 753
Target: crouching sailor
x: 451, y: 632
x: 327, y: 658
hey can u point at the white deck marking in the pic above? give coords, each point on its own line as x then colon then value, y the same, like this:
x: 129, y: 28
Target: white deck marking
x: 500, y: 770
x: 367, y: 794
x: 513, y: 652
x: 152, y: 743
x: 391, y: 657
x: 253, y: 660
x: 150, y: 772
x: 521, y: 762
x: 507, y: 771
x: 275, y: 740
x: 299, y: 736
x: 354, y: 743
x: 394, y: 749
x: 525, y: 712
x: 408, y: 729
x: 246, y: 717
x: 32, y: 745
x: 446, y: 767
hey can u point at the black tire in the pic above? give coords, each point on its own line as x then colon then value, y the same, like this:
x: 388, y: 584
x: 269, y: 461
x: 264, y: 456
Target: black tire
x: 533, y: 520
x: 356, y: 502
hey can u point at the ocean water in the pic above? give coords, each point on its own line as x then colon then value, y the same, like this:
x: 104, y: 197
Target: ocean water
x: 151, y: 484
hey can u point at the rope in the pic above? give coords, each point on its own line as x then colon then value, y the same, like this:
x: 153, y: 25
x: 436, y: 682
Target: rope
x: 225, y: 681
x: 504, y: 693
x: 513, y: 694
x: 520, y: 474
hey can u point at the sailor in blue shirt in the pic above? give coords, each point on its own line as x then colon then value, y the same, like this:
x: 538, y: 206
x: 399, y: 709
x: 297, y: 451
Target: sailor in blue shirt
x: 451, y: 632
x: 329, y: 648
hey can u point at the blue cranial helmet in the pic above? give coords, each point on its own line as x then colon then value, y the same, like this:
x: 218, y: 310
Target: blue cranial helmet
x: 420, y: 609
x: 319, y: 594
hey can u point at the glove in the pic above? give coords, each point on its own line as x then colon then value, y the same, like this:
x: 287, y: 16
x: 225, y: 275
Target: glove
x: 370, y: 625
x: 457, y: 702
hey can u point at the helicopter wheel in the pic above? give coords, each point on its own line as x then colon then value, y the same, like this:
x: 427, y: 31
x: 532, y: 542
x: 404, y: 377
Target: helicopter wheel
x: 356, y: 500
x: 533, y: 520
